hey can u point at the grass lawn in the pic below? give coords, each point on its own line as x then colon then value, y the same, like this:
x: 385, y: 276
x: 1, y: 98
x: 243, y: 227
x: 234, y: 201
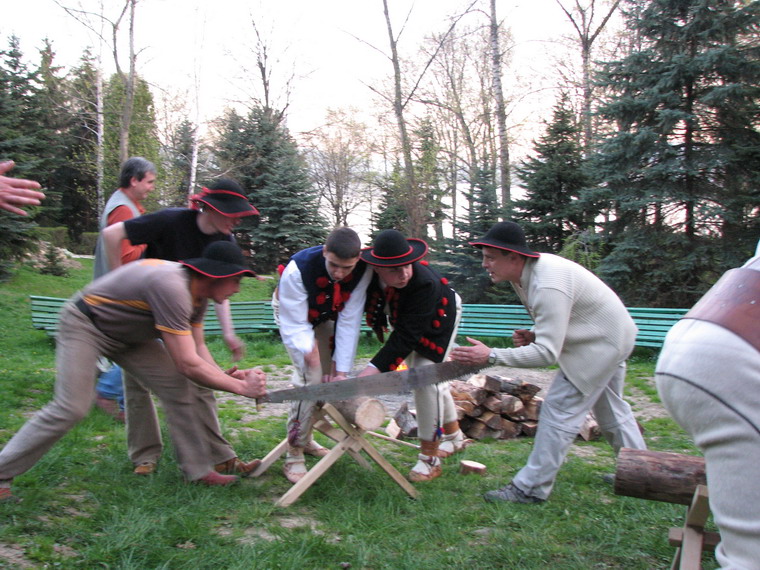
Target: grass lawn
x: 83, y: 508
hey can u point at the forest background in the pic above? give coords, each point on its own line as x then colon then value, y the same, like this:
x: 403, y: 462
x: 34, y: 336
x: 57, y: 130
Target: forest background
x: 645, y: 169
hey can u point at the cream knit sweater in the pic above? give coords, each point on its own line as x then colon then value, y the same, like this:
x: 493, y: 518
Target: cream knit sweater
x: 580, y: 323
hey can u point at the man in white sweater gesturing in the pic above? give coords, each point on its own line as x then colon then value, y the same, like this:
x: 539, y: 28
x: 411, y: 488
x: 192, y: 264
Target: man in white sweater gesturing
x: 580, y: 325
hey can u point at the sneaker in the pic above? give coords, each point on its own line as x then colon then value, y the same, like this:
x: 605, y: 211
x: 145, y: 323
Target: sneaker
x: 315, y: 450
x: 427, y: 468
x: 214, y: 479
x: 452, y: 443
x: 237, y: 467
x: 6, y: 496
x: 294, y: 468
x: 111, y: 407
x: 511, y: 494
x: 145, y: 468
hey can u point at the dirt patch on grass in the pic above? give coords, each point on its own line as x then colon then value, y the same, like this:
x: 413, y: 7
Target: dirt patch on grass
x: 14, y: 556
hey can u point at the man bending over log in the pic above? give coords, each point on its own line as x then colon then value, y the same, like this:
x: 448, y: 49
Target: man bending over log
x: 318, y: 306
x: 580, y: 324
x: 424, y: 313
x: 708, y: 376
x: 124, y: 316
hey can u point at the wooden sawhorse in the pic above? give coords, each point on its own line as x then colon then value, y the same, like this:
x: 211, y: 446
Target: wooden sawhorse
x: 692, y: 538
x: 349, y: 439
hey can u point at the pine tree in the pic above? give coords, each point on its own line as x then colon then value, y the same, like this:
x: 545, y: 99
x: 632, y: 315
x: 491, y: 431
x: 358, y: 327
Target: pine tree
x: 21, y: 139
x: 461, y: 262
x: 553, y: 180
x: 390, y: 213
x: 681, y: 171
x: 77, y: 179
x: 258, y: 151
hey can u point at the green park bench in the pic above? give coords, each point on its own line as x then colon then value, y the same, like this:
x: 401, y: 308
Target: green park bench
x: 477, y: 320
x: 248, y: 316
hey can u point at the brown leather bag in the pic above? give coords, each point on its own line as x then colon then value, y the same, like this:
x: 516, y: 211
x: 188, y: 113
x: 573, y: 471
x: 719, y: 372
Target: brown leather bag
x: 733, y: 303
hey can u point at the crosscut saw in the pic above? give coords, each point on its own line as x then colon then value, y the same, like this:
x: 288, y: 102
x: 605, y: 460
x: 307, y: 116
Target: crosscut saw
x: 394, y: 382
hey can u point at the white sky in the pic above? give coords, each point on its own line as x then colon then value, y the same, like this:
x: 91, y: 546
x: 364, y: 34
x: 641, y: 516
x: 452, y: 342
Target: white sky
x: 181, y: 38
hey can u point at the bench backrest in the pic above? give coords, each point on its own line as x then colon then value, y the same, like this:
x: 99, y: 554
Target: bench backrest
x: 478, y: 320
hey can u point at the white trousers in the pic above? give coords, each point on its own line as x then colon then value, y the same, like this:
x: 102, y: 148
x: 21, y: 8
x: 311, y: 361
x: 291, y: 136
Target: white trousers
x: 562, y: 415
x: 709, y: 381
x: 434, y: 403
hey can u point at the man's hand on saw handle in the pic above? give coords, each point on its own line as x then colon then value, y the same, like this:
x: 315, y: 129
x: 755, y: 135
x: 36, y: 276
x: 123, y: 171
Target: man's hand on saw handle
x: 254, y: 381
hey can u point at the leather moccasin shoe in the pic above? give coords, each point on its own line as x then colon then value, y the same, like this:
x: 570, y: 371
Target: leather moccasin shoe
x: 426, y: 469
x: 294, y: 468
x: 235, y: 466
x: 145, y: 468
x: 511, y: 494
x: 315, y: 450
x: 214, y: 479
x: 453, y: 443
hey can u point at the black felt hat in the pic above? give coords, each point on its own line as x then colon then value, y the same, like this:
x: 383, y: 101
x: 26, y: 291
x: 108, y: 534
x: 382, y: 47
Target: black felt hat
x: 506, y: 235
x: 226, y: 197
x: 392, y: 249
x: 220, y: 259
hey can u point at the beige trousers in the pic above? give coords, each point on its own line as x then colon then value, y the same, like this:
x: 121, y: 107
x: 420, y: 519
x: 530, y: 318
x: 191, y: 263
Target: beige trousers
x: 79, y: 344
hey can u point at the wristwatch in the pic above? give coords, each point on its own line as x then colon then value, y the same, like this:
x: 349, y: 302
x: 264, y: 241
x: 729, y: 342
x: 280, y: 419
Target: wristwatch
x: 492, y: 357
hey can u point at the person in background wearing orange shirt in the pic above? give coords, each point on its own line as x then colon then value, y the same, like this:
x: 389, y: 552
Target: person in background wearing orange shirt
x: 136, y: 180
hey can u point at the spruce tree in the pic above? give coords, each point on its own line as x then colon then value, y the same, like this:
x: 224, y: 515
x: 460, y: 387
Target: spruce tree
x: 553, y: 180
x: 22, y: 140
x: 259, y: 152
x: 680, y: 171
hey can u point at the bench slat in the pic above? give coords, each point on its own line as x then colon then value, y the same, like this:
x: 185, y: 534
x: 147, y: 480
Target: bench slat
x: 478, y: 320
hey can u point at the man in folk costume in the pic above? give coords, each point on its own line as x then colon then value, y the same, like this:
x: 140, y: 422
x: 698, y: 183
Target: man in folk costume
x: 423, y: 312
x: 318, y: 306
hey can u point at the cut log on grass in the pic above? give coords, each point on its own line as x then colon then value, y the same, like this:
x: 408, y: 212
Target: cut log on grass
x: 492, y: 404
x: 522, y: 390
x: 590, y: 429
x: 393, y: 430
x: 529, y: 428
x: 467, y: 467
x: 658, y: 475
x: 406, y: 421
x: 479, y: 430
x: 513, y: 407
x: 468, y: 392
x: 490, y: 383
x: 363, y: 412
x: 533, y: 408
x: 510, y: 430
x: 465, y: 406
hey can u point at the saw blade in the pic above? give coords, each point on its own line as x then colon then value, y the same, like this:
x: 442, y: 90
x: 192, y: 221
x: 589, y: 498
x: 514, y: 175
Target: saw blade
x: 396, y: 381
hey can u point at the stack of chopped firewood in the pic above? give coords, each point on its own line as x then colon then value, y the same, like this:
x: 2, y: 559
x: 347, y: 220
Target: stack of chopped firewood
x: 490, y: 406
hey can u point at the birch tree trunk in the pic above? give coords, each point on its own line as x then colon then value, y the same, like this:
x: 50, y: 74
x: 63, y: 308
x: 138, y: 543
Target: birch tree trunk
x: 410, y: 196
x: 501, y: 116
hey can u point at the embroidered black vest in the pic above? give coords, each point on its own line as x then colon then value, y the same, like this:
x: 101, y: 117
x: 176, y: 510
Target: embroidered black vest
x: 326, y: 297
x: 430, y: 336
